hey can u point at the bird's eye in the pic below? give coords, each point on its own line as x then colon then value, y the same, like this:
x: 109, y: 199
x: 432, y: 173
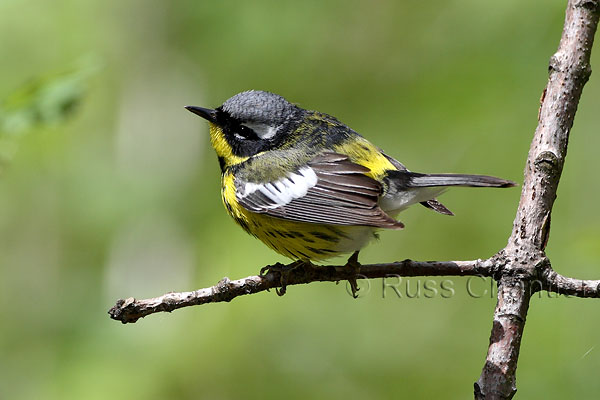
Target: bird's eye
x: 245, y: 133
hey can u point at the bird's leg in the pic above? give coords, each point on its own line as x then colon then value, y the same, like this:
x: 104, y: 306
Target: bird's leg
x: 354, y: 266
x: 284, y: 272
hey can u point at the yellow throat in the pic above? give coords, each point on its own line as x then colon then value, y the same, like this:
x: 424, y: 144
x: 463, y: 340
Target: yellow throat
x: 223, y: 149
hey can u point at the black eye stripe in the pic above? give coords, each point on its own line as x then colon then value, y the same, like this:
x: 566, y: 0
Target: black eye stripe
x: 233, y: 127
x: 246, y: 132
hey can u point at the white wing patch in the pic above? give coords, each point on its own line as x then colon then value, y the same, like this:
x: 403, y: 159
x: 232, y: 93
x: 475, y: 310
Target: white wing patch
x: 284, y: 190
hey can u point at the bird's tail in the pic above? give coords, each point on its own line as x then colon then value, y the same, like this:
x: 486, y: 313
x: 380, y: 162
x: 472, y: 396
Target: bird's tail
x: 415, y: 180
x: 404, y: 188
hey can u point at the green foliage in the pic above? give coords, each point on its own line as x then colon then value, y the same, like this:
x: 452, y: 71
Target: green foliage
x: 42, y: 102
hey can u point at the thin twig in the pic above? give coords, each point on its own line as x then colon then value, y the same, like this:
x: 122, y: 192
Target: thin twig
x: 552, y: 281
x: 130, y: 310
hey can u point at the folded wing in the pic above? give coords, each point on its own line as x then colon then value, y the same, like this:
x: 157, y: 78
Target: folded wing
x: 330, y: 189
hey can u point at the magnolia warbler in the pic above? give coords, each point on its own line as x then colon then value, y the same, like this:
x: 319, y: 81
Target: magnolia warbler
x: 307, y: 185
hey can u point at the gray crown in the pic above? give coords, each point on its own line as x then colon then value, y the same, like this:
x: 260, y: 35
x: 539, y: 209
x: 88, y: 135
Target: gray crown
x: 259, y: 106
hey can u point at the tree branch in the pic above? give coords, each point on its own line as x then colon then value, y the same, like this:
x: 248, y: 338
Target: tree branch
x: 498, y: 377
x: 569, y: 70
x: 130, y: 310
x: 552, y: 281
x: 523, y: 258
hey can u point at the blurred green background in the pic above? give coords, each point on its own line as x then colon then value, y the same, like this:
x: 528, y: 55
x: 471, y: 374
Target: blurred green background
x: 110, y: 189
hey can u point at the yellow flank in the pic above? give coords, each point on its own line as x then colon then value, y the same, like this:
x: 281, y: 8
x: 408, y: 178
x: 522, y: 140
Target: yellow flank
x: 362, y: 152
x: 223, y: 149
x: 296, y: 240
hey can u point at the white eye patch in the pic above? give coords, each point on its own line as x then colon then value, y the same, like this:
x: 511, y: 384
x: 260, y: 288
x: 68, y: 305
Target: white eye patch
x: 263, y: 131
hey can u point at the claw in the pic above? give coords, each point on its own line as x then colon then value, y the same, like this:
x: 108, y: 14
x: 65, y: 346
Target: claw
x: 284, y: 272
x: 277, y: 267
x: 354, y: 265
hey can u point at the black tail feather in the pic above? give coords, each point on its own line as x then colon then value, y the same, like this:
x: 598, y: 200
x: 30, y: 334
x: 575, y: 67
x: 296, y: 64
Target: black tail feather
x: 436, y: 206
x: 409, y: 179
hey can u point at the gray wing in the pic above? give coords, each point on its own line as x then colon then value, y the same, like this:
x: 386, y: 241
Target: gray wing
x: 330, y: 189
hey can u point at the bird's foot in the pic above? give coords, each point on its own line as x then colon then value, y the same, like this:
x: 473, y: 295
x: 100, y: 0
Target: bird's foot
x: 284, y: 271
x: 354, y: 267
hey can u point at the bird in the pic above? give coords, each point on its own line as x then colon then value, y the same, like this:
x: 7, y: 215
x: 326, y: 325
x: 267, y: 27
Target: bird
x: 307, y: 185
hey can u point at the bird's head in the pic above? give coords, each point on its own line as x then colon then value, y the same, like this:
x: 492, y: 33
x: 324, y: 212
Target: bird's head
x: 247, y: 124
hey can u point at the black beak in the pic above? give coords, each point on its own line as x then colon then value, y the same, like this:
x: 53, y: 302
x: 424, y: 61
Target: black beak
x: 206, y: 113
